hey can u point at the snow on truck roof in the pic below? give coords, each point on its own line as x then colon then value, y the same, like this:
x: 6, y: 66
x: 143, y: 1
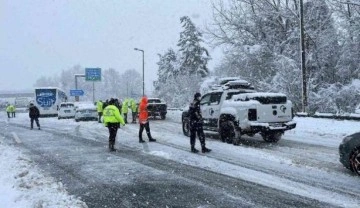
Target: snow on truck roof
x: 224, y: 80
x: 231, y: 83
x: 257, y: 95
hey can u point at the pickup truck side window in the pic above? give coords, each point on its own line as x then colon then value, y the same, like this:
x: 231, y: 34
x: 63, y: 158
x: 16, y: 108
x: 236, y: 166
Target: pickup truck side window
x: 205, y: 100
x: 215, y: 98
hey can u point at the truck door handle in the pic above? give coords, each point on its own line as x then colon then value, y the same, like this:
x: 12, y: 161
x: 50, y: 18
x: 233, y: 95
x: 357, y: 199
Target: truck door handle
x: 211, y: 111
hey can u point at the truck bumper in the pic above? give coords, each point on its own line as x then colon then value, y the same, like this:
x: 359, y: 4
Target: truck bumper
x: 272, y: 126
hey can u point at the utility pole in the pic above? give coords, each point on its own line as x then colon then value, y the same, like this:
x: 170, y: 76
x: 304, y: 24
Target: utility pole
x: 303, y: 67
x: 143, y: 69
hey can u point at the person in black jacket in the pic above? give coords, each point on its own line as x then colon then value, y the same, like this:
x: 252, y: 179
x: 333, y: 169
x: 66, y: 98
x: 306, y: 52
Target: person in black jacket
x: 34, y: 114
x: 196, y: 125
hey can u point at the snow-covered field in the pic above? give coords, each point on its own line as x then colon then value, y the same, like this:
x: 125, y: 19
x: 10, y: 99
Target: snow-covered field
x: 304, y: 162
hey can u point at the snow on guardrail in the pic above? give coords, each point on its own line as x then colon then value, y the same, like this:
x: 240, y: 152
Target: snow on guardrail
x: 345, y: 116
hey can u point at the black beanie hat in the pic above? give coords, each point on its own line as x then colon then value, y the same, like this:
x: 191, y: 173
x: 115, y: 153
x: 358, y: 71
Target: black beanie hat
x: 197, y: 95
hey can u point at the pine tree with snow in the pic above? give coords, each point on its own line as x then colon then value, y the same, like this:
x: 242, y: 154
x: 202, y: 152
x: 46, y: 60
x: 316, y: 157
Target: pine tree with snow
x: 193, y: 56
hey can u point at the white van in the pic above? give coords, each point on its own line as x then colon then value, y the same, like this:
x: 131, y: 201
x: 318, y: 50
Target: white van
x: 66, y: 110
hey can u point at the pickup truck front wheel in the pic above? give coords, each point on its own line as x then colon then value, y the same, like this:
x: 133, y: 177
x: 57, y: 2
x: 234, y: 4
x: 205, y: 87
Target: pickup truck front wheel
x: 272, y: 137
x: 229, y: 133
x: 186, y: 127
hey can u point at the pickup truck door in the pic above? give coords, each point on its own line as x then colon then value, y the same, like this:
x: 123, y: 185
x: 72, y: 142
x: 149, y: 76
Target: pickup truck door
x: 214, y: 109
x: 204, y: 107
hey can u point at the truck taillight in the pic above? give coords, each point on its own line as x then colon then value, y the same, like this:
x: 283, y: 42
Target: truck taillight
x: 252, y: 114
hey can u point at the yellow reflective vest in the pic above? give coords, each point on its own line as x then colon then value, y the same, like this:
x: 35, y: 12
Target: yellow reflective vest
x: 111, y: 114
x: 99, y: 107
x: 124, y: 108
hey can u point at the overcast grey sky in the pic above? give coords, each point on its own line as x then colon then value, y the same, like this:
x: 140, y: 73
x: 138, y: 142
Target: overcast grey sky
x: 43, y: 37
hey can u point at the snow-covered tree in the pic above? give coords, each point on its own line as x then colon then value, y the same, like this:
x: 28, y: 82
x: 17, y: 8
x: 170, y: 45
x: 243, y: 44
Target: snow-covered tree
x: 130, y: 85
x: 270, y: 32
x: 193, y: 56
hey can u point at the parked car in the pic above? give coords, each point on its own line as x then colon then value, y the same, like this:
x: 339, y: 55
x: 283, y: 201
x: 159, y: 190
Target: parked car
x: 156, y: 107
x: 85, y: 112
x: 66, y: 110
x: 349, y: 151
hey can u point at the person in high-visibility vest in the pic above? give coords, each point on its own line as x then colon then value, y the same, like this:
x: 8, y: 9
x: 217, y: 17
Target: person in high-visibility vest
x: 112, y: 120
x: 13, y: 110
x: 133, y: 107
x: 125, y: 109
x: 8, y: 110
x: 99, y: 108
x: 144, y: 120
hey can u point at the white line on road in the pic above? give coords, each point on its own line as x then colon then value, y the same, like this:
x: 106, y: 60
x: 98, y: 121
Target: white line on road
x: 16, y: 138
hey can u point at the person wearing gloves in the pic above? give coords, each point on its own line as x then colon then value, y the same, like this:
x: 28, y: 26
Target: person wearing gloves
x: 112, y: 120
x: 143, y: 120
x: 196, y: 125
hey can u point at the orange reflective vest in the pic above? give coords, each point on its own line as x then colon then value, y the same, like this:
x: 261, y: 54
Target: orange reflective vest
x: 143, y: 112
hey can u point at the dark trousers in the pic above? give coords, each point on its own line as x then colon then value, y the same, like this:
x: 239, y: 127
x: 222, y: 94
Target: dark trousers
x: 145, y: 126
x: 32, y: 122
x: 196, y: 128
x: 125, y: 117
x: 8, y: 113
x: 13, y: 114
x: 113, y: 128
x: 134, y: 117
x: 100, y: 114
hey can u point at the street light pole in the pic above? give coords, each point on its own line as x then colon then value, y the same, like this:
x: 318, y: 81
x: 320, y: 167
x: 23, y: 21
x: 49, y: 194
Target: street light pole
x: 143, y: 68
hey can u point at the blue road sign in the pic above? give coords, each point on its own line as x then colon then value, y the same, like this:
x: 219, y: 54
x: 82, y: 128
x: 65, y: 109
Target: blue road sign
x: 76, y: 92
x: 92, y: 74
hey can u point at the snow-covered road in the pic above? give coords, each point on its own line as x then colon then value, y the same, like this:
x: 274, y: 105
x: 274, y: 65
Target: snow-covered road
x: 304, y: 163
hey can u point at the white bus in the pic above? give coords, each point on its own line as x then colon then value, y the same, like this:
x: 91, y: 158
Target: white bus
x: 48, y: 100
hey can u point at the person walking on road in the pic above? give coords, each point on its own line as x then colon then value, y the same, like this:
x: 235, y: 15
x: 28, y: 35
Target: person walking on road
x: 34, y: 115
x: 144, y: 120
x: 196, y: 125
x: 112, y: 120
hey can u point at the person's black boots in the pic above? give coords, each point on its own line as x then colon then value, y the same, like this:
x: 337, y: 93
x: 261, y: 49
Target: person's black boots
x: 111, y: 147
x: 141, y: 140
x: 204, y: 149
x: 150, y: 137
x: 194, y: 150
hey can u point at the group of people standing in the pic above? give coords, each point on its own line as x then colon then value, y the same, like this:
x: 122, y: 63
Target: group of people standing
x: 11, y: 111
x: 112, y: 118
x: 34, y: 114
x: 115, y: 115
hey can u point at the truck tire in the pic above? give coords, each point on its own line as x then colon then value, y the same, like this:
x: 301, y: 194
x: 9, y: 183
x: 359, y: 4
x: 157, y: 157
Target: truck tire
x: 354, y: 160
x: 229, y: 133
x: 272, y: 137
x: 163, y: 116
x: 186, y: 127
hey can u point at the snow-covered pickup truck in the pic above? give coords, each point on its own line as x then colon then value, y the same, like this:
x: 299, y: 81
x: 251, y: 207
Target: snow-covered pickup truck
x: 157, y: 108
x: 237, y: 109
